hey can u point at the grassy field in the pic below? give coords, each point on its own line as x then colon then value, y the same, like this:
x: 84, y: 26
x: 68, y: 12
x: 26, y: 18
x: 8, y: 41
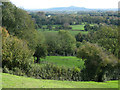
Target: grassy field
x: 12, y: 81
x: 77, y: 27
x: 66, y: 61
x: 74, y: 27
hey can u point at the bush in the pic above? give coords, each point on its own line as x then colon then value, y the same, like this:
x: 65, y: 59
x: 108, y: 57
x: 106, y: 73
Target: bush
x: 17, y: 71
x: 5, y: 69
x: 97, y: 61
x: 15, y: 53
x: 50, y: 71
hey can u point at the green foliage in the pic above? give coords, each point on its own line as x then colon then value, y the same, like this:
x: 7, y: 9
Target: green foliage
x: 50, y: 71
x: 97, y: 61
x: 5, y: 69
x: 80, y: 37
x: 87, y: 27
x: 19, y: 23
x: 106, y: 37
x: 40, y: 52
x: 66, y: 43
x: 18, y: 71
x: 15, y: 19
x: 62, y: 43
x: 15, y: 53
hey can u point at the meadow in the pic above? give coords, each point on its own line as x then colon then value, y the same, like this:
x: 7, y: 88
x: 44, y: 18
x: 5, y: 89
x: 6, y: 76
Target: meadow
x: 75, y: 29
x: 65, y: 61
x: 13, y: 81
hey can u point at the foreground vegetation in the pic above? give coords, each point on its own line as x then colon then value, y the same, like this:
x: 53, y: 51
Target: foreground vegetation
x: 12, y: 81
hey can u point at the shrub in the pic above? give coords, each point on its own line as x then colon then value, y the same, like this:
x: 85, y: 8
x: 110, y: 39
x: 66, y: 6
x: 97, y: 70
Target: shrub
x: 17, y: 71
x: 15, y: 53
x: 97, y: 61
x: 50, y: 71
x: 5, y: 69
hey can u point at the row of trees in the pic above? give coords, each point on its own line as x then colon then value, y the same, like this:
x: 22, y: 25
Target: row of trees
x: 66, y: 26
x: 75, y: 19
x: 106, y: 37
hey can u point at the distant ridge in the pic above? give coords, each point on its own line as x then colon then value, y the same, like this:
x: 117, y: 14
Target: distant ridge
x: 73, y: 8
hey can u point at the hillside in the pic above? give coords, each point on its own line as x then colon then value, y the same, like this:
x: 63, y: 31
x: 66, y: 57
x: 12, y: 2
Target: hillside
x: 12, y: 81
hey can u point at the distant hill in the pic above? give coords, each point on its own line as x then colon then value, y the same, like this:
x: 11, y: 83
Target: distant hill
x: 73, y: 8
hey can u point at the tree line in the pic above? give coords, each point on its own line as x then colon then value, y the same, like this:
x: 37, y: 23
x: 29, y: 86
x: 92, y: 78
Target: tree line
x: 108, y: 18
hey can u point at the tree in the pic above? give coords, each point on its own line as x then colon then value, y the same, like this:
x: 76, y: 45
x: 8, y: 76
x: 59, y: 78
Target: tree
x: 97, y: 61
x: 49, y: 27
x: 106, y: 37
x: 40, y: 52
x: 66, y: 43
x: 87, y: 27
x: 19, y: 23
x: 79, y: 37
x: 40, y: 49
x: 52, y: 43
x: 15, y: 52
x: 62, y: 43
x: 15, y: 19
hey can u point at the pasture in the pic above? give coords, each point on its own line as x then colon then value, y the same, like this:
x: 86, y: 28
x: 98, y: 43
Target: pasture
x: 75, y: 29
x: 65, y: 61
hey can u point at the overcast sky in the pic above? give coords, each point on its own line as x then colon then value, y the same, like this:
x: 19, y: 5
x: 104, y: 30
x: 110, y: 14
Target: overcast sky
x: 40, y: 4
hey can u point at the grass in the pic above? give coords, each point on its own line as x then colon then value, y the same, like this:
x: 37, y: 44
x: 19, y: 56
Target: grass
x: 72, y: 32
x: 66, y: 61
x: 77, y: 27
x: 12, y: 81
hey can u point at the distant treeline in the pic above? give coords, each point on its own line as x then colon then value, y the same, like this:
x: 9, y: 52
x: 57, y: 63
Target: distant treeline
x: 108, y: 17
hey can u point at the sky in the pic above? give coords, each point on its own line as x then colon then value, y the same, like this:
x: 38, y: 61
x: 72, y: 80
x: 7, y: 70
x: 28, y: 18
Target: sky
x: 43, y: 4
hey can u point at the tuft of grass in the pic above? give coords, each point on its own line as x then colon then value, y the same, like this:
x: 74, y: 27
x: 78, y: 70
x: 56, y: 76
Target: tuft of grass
x: 13, y: 81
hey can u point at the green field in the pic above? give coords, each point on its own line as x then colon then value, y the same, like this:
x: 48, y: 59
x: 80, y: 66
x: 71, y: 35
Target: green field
x: 74, y: 27
x: 77, y: 27
x: 66, y: 61
x: 13, y: 81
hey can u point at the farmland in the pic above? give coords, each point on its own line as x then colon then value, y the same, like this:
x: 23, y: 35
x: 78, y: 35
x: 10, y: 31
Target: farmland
x: 66, y: 61
x: 74, y: 31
